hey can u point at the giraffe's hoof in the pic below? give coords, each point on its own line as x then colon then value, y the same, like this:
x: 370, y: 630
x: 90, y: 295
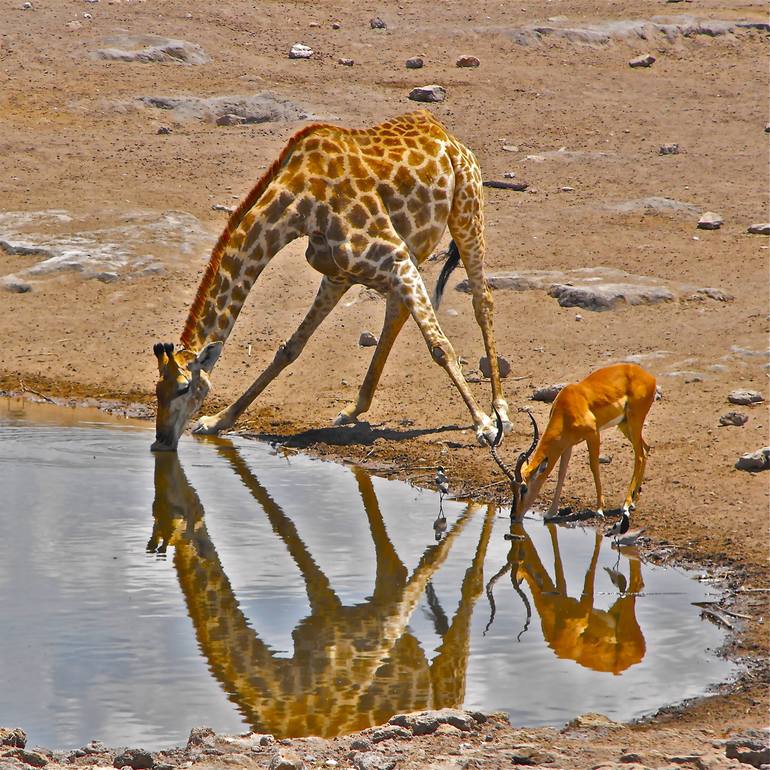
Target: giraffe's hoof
x: 207, y: 426
x: 343, y: 418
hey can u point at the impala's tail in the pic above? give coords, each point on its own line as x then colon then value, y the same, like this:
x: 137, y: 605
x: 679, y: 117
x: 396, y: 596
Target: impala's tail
x: 452, y: 260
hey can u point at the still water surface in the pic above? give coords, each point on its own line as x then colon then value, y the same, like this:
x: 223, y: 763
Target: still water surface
x: 231, y: 586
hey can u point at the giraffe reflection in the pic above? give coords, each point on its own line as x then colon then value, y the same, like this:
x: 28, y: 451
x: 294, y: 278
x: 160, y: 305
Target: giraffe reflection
x: 353, y: 666
x: 603, y: 640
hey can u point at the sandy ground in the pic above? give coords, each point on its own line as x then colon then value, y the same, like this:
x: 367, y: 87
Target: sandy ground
x: 75, y: 138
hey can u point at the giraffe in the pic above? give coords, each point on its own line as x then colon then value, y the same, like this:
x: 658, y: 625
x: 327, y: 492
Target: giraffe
x: 353, y: 666
x: 603, y: 640
x: 374, y: 204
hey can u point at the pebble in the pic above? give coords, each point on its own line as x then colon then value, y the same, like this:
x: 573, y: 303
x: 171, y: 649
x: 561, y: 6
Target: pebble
x: 733, y: 418
x: 452, y: 313
x: 509, y: 175
x: 377, y: 23
x: 760, y: 229
x: 361, y: 744
x: 767, y: 128
x: 755, y: 461
x: 374, y: 760
x: 87, y: 16
x: 14, y: 285
x: 502, y: 365
x: 744, y: 397
x: 467, y: 61
x: 567, y: 188
x: 367, y: 340
x: 164, y: 130
x: 287, y: 761
x: 605, y: 459
x: 669, y: 149
x: 645, y: 60
x: 300, y: 51
x: 710, y: 221
x: 431, y: 93
x: 548, y: 393
x: 389, y: 732
x: 510, y: 148
x: 13, y: 736
x: 345, y: 62
x: 138, y: 759
x: 230, y: 119
x: 336, y: 25
x: 414, y: 63
x: 27, y: 6
x: 578, y: 317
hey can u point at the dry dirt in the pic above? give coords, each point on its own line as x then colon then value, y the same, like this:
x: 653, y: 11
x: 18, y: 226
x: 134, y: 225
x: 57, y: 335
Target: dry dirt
x: 73, y: 138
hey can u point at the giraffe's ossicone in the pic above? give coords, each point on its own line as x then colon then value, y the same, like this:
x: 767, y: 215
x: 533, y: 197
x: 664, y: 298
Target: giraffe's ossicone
x: 374, y: 204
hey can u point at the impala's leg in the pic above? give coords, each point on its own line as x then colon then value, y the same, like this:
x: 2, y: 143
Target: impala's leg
x: 407, y: 283
x: 396, y: 314
x: 329, y: 294
x: 553, y: 510
x: 632, y: 430
x: 593, y: 458
x: 466, y: 223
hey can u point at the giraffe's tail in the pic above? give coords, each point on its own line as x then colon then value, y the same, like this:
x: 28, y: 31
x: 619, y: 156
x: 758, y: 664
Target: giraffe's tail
x: 452, y: 260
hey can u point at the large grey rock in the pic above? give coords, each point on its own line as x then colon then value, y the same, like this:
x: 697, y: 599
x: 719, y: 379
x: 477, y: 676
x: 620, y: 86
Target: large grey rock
x: 467, y: 61
x: 655, y: 205
x: 201, y: 736
x: 733, y: 418
x: 710, y: 221
x: 13, y: 736
x: 138, y: 759
x: 502, y: 364
x: 751, y: 748
x: 548, y: 393
x: 14, y: 285
x: 426, y: 722
x: 755, y: 461
x: 151, y: 48
x: 745, y: 397
x: 608, y: 296
x: 645, y: 60
x: 414, y: 63
x: 286, y: 760
x: 374, y: 760
x: 300, y: 51
x: 760, y: 229
x: 29, y: 758
x: 431, y: 93
x: 377, y: 23
x: 253, y: 108
x: 387, y: 733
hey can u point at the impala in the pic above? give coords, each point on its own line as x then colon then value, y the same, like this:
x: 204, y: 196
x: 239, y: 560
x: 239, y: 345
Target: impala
x: 620, y: 395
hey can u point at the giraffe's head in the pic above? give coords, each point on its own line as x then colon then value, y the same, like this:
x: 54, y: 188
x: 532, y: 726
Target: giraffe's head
x: 181, y: 388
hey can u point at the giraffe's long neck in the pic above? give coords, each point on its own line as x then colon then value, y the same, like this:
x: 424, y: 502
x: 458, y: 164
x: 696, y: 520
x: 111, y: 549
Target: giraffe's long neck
x: 263, y: 223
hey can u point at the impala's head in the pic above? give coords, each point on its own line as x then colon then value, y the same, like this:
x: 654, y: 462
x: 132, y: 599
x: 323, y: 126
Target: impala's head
x: 525, y: 481
x: 181, y: 388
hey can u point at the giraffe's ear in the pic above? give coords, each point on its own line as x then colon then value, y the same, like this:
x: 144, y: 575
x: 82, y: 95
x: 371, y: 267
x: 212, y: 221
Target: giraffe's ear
x: 207, y: 357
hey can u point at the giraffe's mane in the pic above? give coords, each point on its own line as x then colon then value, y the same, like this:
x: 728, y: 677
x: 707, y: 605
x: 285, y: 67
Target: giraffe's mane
x: 212, y: 269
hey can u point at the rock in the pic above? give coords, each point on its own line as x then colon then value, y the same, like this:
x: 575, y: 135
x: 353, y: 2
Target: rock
x: 14, y: 285
x: 426, y: 722
x: 223, y: 207
x: 255, y: 108
x: 530, y: 755
x: 467, y: 61
x: 27, y: 6
x: 733, y: 418
x: 608, y: 296
x: 760, y: 229
x: 631, y: 757
x: 414, y: 63
x: 230, y: 119
x: 13, y: 736
x: 605, y: 459
x: 361, y: 744
x: 750, y: 748
x: 451, y: 312
x: 380, y: 734
x: 248, y: 740
x: 286, y: 761
x: 745, y: 397
x: 163, y: 130
x: 139, y: 759
x: 712, y: 293
x: 513, y: 148
x: 655, y: 205
x: 31, y: 758
x: 345, y: 62
x: 669, y: 149
x: 591, y: 720
x: 767, y: 128
x: 446, y: 729
x: 516, y: 186
x: 367, y: 340
x: 755, y: 461
x: 151, y: 48
x: 106, y: 277
x: 300, y: 51
x: 374, y: 760
x: 710, y: 221
x: 503, y: 366
x: 201, y: 736
x: 509, y: 175
x: 548, y: 393
x: 431, y: 93
x: 645, y: 60
x: 377, y: 23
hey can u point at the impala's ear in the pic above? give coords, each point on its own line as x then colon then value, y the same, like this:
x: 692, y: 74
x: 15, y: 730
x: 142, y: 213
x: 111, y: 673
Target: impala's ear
x: 207, y: 357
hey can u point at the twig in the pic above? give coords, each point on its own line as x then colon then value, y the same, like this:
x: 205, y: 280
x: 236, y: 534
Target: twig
x: 25, y: 389
x: 718, y: 617
x: 715, y: 606
x: 486, y: 486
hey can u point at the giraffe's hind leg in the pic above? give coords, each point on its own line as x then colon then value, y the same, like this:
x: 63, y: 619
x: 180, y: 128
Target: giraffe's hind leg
x: 329, y: 294
x: 396, y: 314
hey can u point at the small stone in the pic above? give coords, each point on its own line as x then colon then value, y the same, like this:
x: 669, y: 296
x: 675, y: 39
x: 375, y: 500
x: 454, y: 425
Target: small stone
x: 390, y: 732
x: 631, y: 757
x: 13, y: 736
x: 31, y: 758
x: 27, y: 6
x: 300, y: 51
x: 567, y: 188
x: 201, y: 736
x: 426, y: 722
x: 336, y: 25
x: 605, y: 459
x: 452, y: 313
x: 509, y: 175
x: 87, y: 16
x: 760, y: 229
x: 511, y: 148
x: 361, y: 744
x: 314, y: 24
x: 230, y: 119
x: 286, y: 761
x: 331, y: 763
x: 745, y: 397
x: 367, y: 340
x: 733, y: 418
x: 431, y: 93
x: 345, y: 62
x: 710, y: 221
x: 531, y: 755
x: 668, y: 149
x: 107, y: 277
x: 591, y: 720
x: 164, y: 130
x: 755, y: 461
x: 578, y: 317
x: 14, y: 285
x: 767, y: 128
x: 503, y: 366
x: 138, y: 759
x: 548, y: 393
x: 467, y: 61
x: 447, y: 730
x: 374, y: 760
x: 377, y: 23
x: 645, y: 60
x: 414, y: 63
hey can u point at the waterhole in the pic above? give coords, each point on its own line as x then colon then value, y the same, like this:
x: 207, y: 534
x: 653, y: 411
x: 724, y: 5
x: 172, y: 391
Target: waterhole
x: 234, y: 586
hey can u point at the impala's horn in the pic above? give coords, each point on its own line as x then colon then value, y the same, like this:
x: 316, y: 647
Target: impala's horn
x: 493, y: 447
x: 524, y: 456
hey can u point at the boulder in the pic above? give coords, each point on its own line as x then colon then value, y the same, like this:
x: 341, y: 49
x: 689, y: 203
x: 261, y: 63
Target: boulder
x: 744, y: 397
x: 431, y: 93
x: 414, y: 63
x: 13, y: 736
x: 138, y: 759
x: 755, y: 461
x: 548, y: 393
x: 502, y: 364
